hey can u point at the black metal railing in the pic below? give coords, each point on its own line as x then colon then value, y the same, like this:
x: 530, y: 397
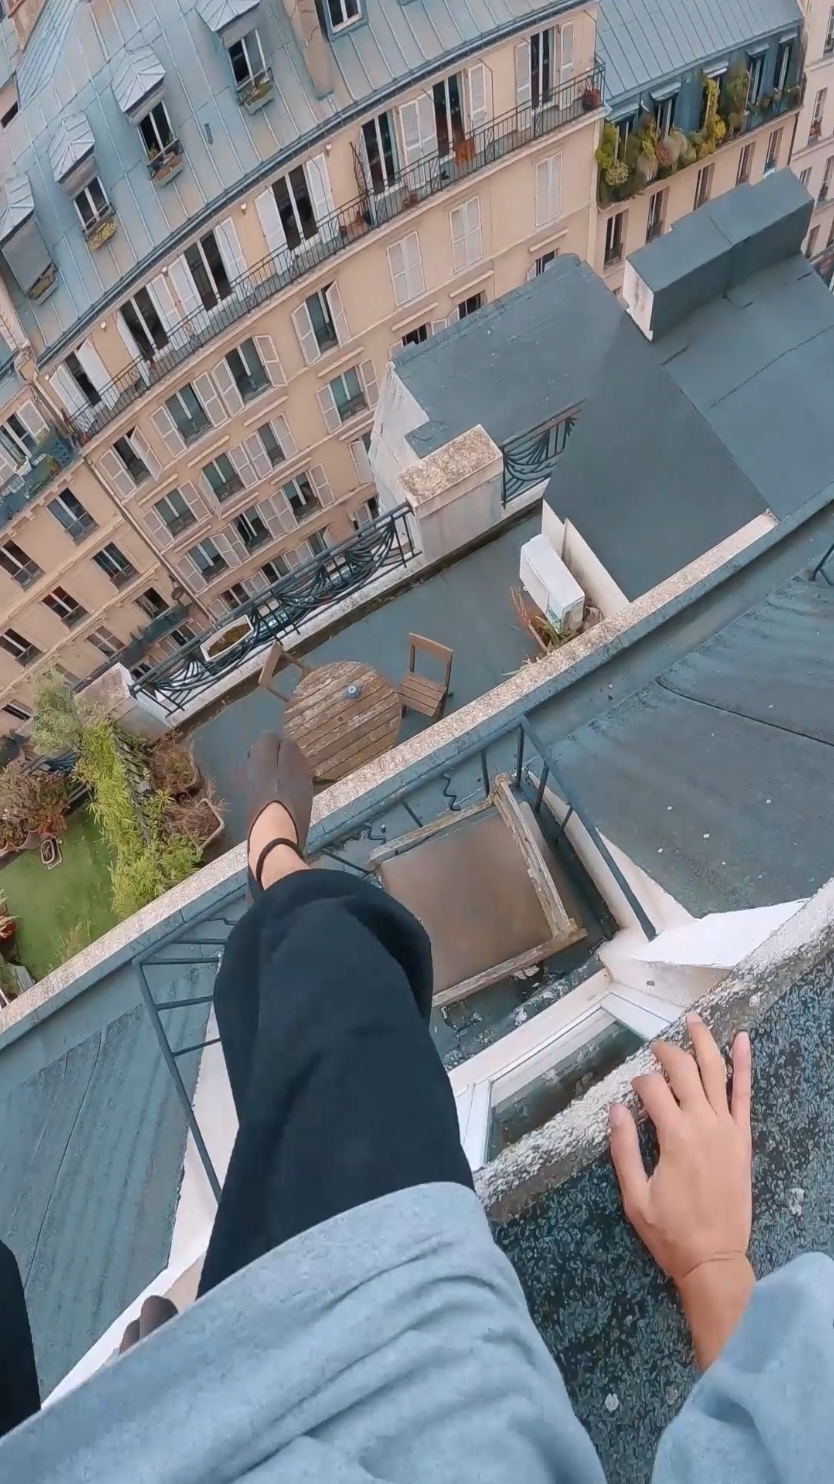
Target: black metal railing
x: 281, y: 609
x: 54, y: 453
x: 166, y: 162
x: 338, y: 231
x: 533, y: 456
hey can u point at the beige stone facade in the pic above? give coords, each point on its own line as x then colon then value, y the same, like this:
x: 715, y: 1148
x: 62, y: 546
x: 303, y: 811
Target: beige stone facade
x: 813, y: 155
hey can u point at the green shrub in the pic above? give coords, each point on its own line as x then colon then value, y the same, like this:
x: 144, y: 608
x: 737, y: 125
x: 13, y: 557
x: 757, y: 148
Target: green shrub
x: 57, y: 719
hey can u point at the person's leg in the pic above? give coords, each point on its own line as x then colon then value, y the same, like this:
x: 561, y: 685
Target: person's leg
x: 19, y: 1392
x: 341, y: 1095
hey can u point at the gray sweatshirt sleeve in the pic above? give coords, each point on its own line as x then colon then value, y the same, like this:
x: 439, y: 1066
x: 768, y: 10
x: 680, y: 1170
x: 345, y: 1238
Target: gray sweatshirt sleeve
x: 764, y: 1412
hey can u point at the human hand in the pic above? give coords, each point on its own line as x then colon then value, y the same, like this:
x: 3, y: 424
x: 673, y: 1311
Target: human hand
x: 694, y: 1212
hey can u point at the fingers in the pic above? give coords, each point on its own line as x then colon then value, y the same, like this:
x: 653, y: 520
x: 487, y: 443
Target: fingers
x: 627, y: 1160
x: 130, y: 1336
x: 710, y: 1063
x: 742, y: 1082
x: 683, y: 1074
x: 656, y: 1097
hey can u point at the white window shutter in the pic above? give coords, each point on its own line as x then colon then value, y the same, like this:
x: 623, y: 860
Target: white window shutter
x: 466, y: 234
x: 133, y: 350
x: 260, y: 463
x: 281, y: 429
x: 7, y: 468
x: 168, y: 431
x: 230, y: 250
x: 244, y: 466
x: 396, y: 267
x: 367, y: 372
x: 189, y: 571
x: 306, y: 335
x: 523, y: 75
x: 277, y: 514
x: 164, y: 301
x: 417, y: 126
x: 270, y: 219
x: 157, y: 530
x: 209, y: 396
x: 32, y: 420
x: 337, y: 313
x: 227, y: 387
x: 321, y: 485
x: 406, y: 267
x: 63, y: 384
x: 265, y: 346
x: 179, y: 274
x: 117, y: 475
x: 194, y: 500
x: 256, y: 580
x: 295, y: 557
x: 437, y: 325
x: 531, y: 273
x: 318, y: 184
x: 97, y: 372
x: 566, y: 51
x: 231, y: 546
x: 548, y: 190
x: 478, y: 96
x: 329, y: 410
x: 364, y: 472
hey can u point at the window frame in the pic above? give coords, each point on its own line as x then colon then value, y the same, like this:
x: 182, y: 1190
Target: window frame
x: 134, y: 463
x: 118, y: 568
x: 157, y: 340
x: 774, y: 145
x: 745, y: 163
x: 613, y: 251
x: 64, y: 606
x: 215, y: 564
x: 542, y: 65
x: 149, y: 606
x: 302, y: 503
x: 353, y: 404
x: 469, y: 256
x: 656, y: 216
x: 227, y: 485
x: 105, y: 641
x: 16, y: 444
x: 177, y: 397
x: 387, y: 169
x: 77, y: 527
x: 183, y: 520
x: 294, y: 209
x: 346, y: 20
x: 703, y: 186
x: 21, y: 649
x: 253, y: 382
x: 255, y: 74
x: 828, y: 44
x: 22, y: 569
x: 153, y: 126
x: 214, y: 290
x: 97, y: 214
x: 248, y: 518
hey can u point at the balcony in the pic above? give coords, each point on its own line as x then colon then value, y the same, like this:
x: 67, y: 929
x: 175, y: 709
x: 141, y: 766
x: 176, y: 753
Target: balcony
x: 166, y: 163
x: 55, y: 453
x: 256, y: 91
x: 474, y: 152
x: 627, y: 167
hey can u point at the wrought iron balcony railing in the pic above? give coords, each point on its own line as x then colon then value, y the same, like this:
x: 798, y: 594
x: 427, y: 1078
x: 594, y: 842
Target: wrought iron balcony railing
x: 379, y: 546
x: 54, y: 453
x: 533, y: 456
x: 339, y: 230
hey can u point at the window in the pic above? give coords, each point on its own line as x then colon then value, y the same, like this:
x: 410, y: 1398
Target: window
x: 19, y: 648
x: 234, y: 596
x: 182, y: 636
x: 114, y: 564
x: 379, y: 138
x: 406, y: 268
x: 663, y: 111
x: 295, y: 208
x: 703, y: 186
x: 16, y: 439
x: 745, y: 164
x: 19, y: 713
x: 755, y: 67
x: 717, y: 77
x: 465, y: 223
x: 208, y: 271
x: 105, y: 641
x: 141, y: 316
x: 416, y: 337
x: 773, y: 146
x: 222, y: 477
x: 275, y: 570
x: 207, y: 559
x: 614, y: 238
x: 274, y: 445
x: 247, y: 59
x: 156, y: 131
x: 783, y: 66
x: 815, y: 130
x: 317, y: 543
x: 657, y: 213
x: 188, y: 413
x: 542, y: 264
x: 360, y: 450
x: 830, y: 240
x: 11, y: 113
x: 448, y: 115
x: 92, y: 205
x: 624, y: 128
x: 811, y: 244
x: 829, y: 34
x: 342, y: 12
x: 364, y: 514
x: 251, y: 529
x: 320, y: 323
x: 548, y: 190
x: 87, y: 388
x: 18, y: 564
x: 136, y: 467
x: 826, y: 179
x: 70, y: 513
x: 175, y: 512
x: 348, y: 395
x: 65, y: 674
x: 299, y: 492
x: 541, y: 67
x: 470, y: 306
x: 248, y: 371
x: 63, y: 604
x: 805, y: 178
x: 151, y: 602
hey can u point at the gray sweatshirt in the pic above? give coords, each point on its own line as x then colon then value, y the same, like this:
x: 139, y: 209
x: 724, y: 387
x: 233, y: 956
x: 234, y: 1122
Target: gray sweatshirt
x: 394, y: 1343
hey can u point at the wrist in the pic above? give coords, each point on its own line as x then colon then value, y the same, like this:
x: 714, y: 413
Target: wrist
x: 713, y: 1297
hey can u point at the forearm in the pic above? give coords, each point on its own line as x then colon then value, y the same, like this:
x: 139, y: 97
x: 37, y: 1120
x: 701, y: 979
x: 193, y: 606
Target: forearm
x: 713, y: 1297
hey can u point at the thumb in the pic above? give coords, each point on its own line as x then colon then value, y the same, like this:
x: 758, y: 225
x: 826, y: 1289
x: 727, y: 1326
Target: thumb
x: 627, y: 1160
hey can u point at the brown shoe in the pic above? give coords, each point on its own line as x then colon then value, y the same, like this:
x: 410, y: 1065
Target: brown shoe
x: 279, y: 774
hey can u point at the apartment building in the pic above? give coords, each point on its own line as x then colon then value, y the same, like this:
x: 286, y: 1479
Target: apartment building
x: 704, y: 102
x: 813, y: 156
x: 215, y: 228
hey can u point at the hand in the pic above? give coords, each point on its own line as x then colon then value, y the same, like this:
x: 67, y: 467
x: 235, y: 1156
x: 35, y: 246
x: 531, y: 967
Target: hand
x: 694, y: 1212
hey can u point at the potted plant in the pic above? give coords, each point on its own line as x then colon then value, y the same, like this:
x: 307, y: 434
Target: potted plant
x: 197, y: 819
x: 172, y: 767
x: 591, y: 99
x: 33, y: 803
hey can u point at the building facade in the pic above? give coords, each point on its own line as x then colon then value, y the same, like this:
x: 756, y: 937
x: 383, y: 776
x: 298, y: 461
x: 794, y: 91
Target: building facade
x: 211, y: 241
x: 813, y: 156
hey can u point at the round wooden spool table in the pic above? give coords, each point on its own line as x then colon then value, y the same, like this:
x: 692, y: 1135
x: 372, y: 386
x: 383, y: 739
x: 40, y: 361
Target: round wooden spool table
x: 342, y: 715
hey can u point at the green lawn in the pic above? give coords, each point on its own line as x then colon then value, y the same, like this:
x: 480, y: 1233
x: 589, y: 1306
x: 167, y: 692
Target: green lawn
x: 60, y: 911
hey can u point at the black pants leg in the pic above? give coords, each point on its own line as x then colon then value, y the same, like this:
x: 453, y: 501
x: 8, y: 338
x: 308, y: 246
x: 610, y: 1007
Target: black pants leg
x: 322, y: 1003
x: 19, y: 1392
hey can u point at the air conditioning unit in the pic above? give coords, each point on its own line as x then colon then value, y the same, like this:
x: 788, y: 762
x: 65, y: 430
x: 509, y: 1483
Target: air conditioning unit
x: 552, y: 587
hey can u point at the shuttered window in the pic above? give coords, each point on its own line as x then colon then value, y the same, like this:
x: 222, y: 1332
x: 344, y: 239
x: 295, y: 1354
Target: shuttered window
x: 467, y: 245
x: 406, y: 266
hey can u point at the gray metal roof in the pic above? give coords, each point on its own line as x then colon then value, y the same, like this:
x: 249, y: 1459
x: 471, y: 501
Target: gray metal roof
x: 137, y: 74
x: 18, y: 205
x: 71, y: 143
x: 218, y: 14
x: 517, y: 363
x: 644, y: 41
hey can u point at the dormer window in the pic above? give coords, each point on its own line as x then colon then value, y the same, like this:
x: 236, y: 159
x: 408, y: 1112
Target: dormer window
x: 21, y: 242
x: 138, y: 85
x: 343, y: 13
x: 93, y: 208
x: 253, y: 78
x: 72, y: 155
x: 163, y: 149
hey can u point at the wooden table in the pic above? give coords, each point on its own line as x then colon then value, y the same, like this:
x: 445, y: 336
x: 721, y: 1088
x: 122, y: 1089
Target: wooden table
x: 338, y: 732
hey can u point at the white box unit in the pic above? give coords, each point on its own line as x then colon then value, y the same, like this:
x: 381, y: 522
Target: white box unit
x: 552, y: 587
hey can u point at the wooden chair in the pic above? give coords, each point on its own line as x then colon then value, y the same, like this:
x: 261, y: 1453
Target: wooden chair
x: 276, y: 661
x: 418, y: 692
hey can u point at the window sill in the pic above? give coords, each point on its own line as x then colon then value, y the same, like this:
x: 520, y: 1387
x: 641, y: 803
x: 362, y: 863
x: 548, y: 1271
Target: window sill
x: 418, y: 315
x: 333, y: 363
x: 264, y: 412
x: 464, y: 290
x: 546, y: 241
